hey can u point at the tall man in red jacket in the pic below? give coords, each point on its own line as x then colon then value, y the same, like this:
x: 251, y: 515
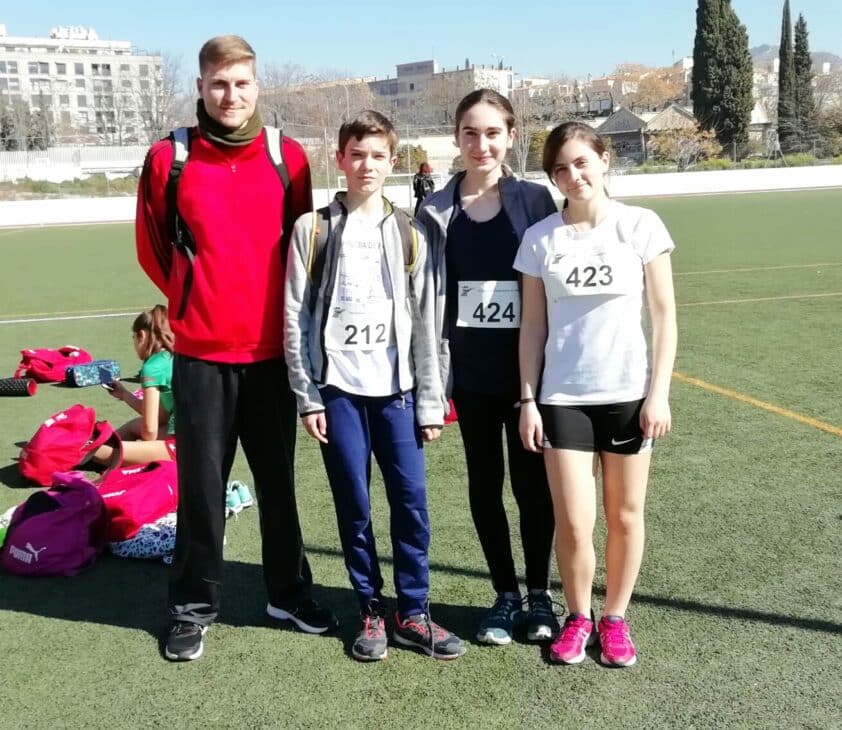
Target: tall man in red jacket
x: 225, y: 284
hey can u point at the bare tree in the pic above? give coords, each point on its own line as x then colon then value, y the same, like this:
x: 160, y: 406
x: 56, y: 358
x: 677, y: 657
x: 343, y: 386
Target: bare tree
x: 162, y: 101
x: 528, y: 121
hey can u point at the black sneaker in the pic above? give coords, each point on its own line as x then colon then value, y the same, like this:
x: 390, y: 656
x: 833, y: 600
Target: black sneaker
x: 371, y: 643
x: 418, y: 631
x: 541, y: 621
x: 308, y: 616
x: 184, y: 642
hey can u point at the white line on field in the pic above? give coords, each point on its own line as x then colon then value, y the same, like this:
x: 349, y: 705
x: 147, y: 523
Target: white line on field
x: 64, y: 319
x: 762, y: 299
x: 758, y: 268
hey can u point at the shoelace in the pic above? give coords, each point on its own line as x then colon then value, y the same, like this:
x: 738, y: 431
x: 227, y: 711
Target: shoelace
x: 614, y: 635
x: 542, y: 605
x: 373, y: 626
x: 503, y: 607
x: 183, y: 628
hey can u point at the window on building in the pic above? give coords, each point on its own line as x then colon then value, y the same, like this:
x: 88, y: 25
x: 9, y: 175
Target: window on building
x: 143, y: 69
x: 40, y: 86
x: 102, y: 85
x: 82, y: 117
x: 124, y: 68
x: 79, y: 69
x: 144, y: 84
x: 126, y: 83
x: 2, y: 67
x: 39, y: 67
x: 65, y: 117
x: 412, y: 87
x: 4, y: 84
x: 129, y: 129
x: 81, y: 100
x: 64, y: 99
x: 61, y: 69
x: 14, y: 85
x: 12, y: 66
x: 80, y: 83
x: 129, y: 114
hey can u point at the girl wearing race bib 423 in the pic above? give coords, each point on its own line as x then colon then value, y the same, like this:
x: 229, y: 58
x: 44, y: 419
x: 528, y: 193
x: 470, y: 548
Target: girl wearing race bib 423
x: 591, y: 392
x: 474, y: 225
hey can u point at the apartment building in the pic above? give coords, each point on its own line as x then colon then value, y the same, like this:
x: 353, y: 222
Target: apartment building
x: 422, y: 91
x: 83, y: 86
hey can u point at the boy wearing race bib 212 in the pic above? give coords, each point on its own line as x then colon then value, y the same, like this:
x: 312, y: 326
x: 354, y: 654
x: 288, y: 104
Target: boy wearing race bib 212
x: 592, y: 394
x: 361, y: 351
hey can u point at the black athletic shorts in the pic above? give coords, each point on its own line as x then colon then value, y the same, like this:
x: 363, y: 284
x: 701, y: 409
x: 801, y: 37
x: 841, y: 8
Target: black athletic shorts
x: 614, y: 428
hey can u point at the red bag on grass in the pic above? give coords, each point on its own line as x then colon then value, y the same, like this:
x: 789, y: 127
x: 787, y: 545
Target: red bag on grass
x: 56, y: 531
x: 62, y: 442
x: 48, y: 366
x: 135, y: 496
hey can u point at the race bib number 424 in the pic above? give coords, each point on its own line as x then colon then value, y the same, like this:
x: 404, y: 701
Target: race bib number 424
x: 489, y: 304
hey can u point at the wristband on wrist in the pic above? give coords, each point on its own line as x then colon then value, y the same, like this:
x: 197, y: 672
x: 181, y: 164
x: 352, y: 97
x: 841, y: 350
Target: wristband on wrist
x: 524, y: 401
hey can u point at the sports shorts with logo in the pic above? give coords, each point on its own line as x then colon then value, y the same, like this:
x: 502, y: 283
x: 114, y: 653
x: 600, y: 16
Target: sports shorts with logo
x: 614, y: 428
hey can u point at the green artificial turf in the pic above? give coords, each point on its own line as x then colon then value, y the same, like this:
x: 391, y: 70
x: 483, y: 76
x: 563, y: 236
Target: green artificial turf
x: 738, y: 611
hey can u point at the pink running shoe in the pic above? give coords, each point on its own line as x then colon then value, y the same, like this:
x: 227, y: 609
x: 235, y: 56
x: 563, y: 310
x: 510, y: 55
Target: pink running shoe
x: 576, y: 636
x: 617, y: 647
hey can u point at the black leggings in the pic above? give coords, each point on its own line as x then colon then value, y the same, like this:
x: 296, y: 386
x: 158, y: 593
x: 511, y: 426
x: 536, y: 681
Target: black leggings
x: 481, y: 418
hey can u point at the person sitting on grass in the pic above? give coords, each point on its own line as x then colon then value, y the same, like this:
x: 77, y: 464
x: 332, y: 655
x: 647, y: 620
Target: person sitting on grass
x: 151, y: 436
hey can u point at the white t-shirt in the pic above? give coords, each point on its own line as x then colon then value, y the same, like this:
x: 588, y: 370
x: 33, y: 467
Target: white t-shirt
x: 360, y: 327
x: 596, y: 351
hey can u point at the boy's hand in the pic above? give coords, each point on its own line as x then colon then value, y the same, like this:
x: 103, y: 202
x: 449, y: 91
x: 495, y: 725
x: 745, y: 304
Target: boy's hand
x: 316, y: 425
x: 430, y: 433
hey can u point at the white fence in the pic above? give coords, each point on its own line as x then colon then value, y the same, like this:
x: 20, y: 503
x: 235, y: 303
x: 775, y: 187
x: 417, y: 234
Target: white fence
x: 59, y: 164
x: 66, y: 211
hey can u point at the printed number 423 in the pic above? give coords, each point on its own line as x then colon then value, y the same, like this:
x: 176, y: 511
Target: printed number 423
x: 589, y: 276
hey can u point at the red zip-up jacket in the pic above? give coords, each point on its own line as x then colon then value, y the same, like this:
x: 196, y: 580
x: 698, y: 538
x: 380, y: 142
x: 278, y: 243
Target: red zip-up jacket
x: 231, y: 200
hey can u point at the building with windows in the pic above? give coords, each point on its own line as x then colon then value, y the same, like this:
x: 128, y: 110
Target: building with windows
x: 422, y: 92
x: 85, y: 89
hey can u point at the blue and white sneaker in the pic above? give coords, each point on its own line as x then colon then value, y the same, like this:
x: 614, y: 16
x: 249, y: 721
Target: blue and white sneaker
x: 243, y: 493
x: 233, y: 505
x: 498, y: 625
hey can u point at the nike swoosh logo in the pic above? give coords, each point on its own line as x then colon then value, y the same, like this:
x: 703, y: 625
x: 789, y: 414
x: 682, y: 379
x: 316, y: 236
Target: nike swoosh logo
x: 614, y: 442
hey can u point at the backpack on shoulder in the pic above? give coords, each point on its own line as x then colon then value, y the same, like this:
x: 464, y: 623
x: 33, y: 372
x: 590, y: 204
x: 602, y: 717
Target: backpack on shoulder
x: 320, y: 233
x: 56, y: 531
x: 63, y: 442
x: 49, y: 366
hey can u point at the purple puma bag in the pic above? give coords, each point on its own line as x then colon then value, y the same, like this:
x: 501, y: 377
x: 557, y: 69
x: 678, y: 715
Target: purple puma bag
x: 56, y: 531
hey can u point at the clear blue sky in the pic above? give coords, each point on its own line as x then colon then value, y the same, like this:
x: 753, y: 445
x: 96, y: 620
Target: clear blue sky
x: 541, y: 37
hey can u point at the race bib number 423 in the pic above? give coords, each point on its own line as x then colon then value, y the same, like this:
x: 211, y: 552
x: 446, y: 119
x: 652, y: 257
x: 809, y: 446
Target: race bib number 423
x: 489, y: 304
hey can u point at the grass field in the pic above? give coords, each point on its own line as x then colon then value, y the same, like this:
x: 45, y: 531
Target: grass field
x: 738, y: 610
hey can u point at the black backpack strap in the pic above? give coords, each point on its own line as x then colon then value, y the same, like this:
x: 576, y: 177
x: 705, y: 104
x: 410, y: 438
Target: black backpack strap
x: 179, y: 236
x: 317, y: 255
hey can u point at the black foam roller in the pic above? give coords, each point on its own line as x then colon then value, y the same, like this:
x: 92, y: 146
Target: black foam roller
x: 17, y: 386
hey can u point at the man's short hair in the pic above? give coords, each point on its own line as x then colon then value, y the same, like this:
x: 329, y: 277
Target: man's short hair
x: 368, y: 122
x: 223, y: 50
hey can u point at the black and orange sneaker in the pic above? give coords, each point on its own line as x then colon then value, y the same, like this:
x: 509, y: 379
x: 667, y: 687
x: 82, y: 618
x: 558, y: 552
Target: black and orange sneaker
x: 420, y: 632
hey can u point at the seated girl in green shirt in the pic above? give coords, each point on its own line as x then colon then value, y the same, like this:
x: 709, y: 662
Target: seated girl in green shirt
x: 150, y: 437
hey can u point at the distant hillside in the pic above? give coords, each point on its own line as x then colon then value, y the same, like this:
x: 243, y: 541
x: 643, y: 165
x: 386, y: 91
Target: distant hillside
x: 765, y: 54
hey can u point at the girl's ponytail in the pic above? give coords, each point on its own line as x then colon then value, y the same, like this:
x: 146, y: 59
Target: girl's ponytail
x: 156, y: 322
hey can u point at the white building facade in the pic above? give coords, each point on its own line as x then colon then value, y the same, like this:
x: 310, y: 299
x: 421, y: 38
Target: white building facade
x: 87, y: 88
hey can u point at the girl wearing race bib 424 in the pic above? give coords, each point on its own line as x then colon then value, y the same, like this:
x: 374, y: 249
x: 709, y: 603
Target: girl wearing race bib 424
x: 474, y: 225
x: 591, y: 392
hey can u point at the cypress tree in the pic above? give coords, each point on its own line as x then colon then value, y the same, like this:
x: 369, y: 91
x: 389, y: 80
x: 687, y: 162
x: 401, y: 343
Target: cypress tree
x: 707, y: 59
x: 787, y: 125
x: 737, y: 81
x: 805, y: 105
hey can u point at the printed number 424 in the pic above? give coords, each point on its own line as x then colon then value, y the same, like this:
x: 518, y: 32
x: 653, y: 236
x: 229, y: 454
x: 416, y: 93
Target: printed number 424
x: 491, y: 312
